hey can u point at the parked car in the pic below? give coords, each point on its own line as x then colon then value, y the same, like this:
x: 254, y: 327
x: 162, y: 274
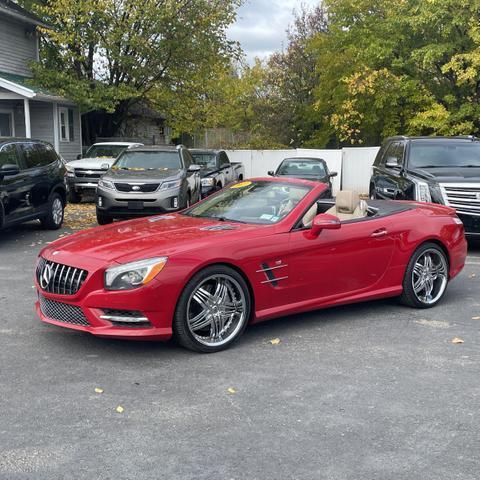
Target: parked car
x: 32, y: 183
x: 83, y: 174
x: 256, y: 250
x: 217, y: 170
x: 443, y: 170
x: 315, y: 169
x: 148, y: 180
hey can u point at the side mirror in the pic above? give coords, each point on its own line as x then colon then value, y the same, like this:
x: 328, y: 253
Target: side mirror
x: 104, y: 166
x: 79, y: 156
x: 323, y: 221
x: 333, y: 174
x: 194, y: 168
x: 9, y: 169
x: 392, y: 162
x: 271, y: 173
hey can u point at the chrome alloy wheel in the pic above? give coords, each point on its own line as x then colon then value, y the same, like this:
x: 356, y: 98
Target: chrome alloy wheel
x: 57, y: 211
x: 216, y: 310
x: 430, y: 276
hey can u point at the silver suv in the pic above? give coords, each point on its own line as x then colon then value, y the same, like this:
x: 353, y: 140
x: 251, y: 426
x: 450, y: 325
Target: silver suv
x: 146, y: 181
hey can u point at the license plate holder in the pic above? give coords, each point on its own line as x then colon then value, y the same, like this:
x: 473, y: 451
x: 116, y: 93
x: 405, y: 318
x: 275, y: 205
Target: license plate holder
x: 135, y: 205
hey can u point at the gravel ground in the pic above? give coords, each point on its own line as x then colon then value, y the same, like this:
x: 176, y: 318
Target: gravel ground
x: 370, y: 391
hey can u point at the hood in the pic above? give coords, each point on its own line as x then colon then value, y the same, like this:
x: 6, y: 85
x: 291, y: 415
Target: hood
x: 92, y: 163
x: 135, y: 175
x: 160, y: 235
x: 453, y: 174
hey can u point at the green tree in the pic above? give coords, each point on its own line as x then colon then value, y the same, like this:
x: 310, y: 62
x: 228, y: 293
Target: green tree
x: 109, y: 54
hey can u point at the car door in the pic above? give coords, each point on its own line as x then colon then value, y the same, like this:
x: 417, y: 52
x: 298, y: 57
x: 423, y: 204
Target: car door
x: 16, y: 188
x: 340, y: 263
x: 388, y: 178
x: 226, y: 167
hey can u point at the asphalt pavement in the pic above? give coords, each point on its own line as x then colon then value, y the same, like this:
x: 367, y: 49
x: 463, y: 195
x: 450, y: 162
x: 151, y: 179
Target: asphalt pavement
x: 369, y: 391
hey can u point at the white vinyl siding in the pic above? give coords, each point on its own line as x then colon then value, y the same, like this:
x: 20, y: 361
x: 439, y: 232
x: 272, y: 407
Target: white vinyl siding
x: 17, y: 48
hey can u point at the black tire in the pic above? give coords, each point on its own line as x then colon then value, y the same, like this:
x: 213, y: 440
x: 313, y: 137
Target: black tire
x: 181, y: 330
x: 103, y: 219
x: 409, y: 297
x: 56, y: 209
x: 74, y: 196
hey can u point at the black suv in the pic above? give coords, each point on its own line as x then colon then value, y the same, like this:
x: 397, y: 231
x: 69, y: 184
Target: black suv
x: 32, y: 183
x: 431, y: 169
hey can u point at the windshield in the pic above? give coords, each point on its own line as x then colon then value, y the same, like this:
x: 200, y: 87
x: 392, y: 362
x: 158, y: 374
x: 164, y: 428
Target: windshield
x: 106, y: 151
x: 131, y: 160
x: 205, y: 159
x: 439, y: 154
x: 301, y: 166
x: 252, y: 202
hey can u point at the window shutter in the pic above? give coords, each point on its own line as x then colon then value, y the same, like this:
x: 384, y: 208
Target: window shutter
x: 71, y: 128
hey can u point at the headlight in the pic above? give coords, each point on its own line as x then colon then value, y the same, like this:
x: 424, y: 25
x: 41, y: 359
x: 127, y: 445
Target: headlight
x: 70, y: 170
x: 422, y: 192
x: 172, y: 184
x: 133, y: 275
x: 207, y: 182
x: 106, y: 184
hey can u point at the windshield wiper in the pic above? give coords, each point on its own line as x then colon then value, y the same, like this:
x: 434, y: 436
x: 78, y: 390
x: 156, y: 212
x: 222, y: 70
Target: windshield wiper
x: 469, y: 166
x: 226, y: 219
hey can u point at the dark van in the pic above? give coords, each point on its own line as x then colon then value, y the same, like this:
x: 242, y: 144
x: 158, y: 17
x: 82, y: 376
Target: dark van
x: 32, y: 183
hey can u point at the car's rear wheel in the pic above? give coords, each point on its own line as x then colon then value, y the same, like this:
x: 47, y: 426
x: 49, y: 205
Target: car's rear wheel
x: 74, y: 196
x: 426, y: 277
x: 213, y: 310
x: 103, y: 219
x: 53, y: 220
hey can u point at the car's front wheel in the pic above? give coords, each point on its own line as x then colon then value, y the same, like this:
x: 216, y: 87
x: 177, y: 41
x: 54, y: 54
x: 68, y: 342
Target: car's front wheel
x: 103, y: 219
x: 53, y: 220
x: 213, y: 310
x: 426, y: 277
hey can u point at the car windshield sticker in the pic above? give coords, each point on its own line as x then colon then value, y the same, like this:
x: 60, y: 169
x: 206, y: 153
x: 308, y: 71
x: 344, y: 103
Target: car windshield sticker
x: 241, y: 184
x: 161, y: 217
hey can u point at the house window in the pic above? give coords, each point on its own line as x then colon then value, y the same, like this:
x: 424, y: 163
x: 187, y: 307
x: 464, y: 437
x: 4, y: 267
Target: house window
x: 7, y: 128
x: 66, y: 124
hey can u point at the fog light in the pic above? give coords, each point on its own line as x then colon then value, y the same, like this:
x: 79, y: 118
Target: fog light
x: 100, y: 201
x: 125, y: 318
x: 175, y: 202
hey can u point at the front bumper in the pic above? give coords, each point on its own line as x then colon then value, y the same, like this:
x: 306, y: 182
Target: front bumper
x: 76, y: 183
x: 83, y: 310
x: 120, y: 204
x: 471, y: 223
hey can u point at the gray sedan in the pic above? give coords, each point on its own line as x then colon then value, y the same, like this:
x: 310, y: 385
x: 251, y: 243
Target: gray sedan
x: 146, y: 181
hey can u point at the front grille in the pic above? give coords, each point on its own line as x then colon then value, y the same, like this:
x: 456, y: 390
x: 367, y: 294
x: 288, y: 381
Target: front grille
x: 60, y: 279
x: 87, y: 173
x: 463, y: 197
x: 62, y: 312
x: 137, y: 187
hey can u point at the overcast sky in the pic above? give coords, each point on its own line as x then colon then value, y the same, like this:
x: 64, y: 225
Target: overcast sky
x: 261, y: 25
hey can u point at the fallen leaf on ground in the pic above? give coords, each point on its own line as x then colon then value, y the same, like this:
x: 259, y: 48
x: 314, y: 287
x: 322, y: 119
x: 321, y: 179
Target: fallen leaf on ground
x: 473, y: 275
x: 475, y: 318
x: 231, y: 390
x: 98, y: 390
x: 275, y: 341
x: 119, y: 409
x: 457, y: 340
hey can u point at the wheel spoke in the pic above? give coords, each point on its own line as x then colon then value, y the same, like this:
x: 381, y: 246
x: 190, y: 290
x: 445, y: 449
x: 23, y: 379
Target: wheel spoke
x: 203, y: 298
x: 200, y: 321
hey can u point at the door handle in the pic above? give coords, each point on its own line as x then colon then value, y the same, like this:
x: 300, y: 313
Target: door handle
x: 381, y: 232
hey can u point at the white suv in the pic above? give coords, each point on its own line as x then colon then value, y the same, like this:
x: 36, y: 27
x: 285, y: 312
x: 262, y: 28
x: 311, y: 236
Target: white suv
x: 83, y: 174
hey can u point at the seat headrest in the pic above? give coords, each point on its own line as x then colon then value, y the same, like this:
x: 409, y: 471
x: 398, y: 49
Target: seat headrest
x: 347, y: 201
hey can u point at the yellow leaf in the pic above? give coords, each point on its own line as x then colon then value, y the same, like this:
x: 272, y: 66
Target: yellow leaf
x: 275, y: 341
x: 231, y: 390
x: 473, y: 275
x: 457, y: 340
x: 119, y: 409
x: 98, y: 390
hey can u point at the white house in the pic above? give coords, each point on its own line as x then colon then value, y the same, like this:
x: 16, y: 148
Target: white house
x: 26, y: 110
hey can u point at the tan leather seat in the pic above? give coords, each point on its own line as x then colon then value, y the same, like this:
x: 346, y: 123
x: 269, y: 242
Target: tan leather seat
x: 348, y: 206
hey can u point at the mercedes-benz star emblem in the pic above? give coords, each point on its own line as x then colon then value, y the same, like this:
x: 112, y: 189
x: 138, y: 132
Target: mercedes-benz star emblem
x: 46, y: 276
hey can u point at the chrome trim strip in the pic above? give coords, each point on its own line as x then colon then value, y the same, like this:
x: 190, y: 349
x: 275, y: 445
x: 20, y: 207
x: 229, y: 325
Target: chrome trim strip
x: 275, y: 279
x: 115, y: 318
x: 270, y: 268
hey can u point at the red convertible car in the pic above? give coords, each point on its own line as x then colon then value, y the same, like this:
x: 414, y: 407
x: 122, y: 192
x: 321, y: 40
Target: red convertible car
x: 253, y: 251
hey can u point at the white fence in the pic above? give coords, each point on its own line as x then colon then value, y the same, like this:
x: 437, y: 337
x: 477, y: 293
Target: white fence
x: 353, y: 165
